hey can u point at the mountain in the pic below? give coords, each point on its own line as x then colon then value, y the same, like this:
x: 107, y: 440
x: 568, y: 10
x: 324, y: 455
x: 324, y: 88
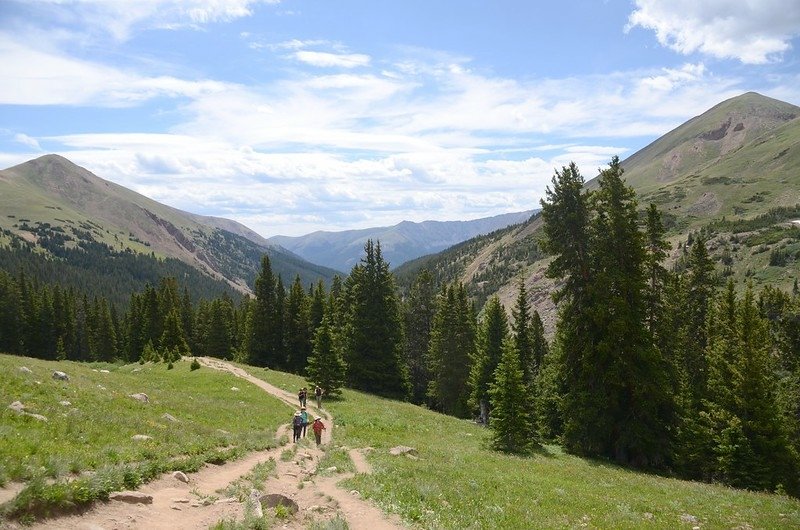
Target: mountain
x: 733, y: 171
x: 58, y: 208
x: 399, y: 243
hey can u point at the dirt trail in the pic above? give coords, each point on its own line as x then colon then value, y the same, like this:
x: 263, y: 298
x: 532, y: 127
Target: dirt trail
x: 198, y: 504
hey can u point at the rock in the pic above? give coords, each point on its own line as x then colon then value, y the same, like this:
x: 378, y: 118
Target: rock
x: 104, y: 372
x: 228, y: 500
x: 17, y: 406
x: 318, y: 508
x: 305, y: 456
x: 25, y: 370
x: 169, y: 417
x: 65, y: 403
x: 222, y: 431
x: 271, y: 500
x: 60, y: 376
x: 36, y: 416
x: 141, y: 437
x: 331, y: 469
x: 234, y: 389
x: 136, y: 370
x: 648, y: 516
x: 180, y: 475
x: 355, y: 493
x: 255, y: 504
x: 175, y: 507
x: 131, y: 497
x: 141, y: 396
x: 687, y: 518
x: 402, y: 450
x: 181, y: 500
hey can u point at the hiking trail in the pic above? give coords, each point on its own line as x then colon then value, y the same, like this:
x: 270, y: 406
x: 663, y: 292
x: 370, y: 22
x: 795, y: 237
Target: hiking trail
x: 199, y: 504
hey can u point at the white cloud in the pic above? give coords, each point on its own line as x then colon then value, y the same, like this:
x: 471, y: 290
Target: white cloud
x: 752, y: 32
x: 120, y: 18
x: 26, y: 140
x: 327, y: 60
x: 63, y: 80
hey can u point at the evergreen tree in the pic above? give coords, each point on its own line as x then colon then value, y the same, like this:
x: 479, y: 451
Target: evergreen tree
x: 521, y: 326
x: 326, y: 368
x: 103, y: 337
x: 173, y: 342
x: 451, y: 348
x: 260, y: 333
x: 372, y: 334
x: 419, y: 310
x: 297, y: 328
x: 656, y: 249
x: 492, y: 334
x: 317, y: 305
x: 513, y: 428
x: 539, y: 344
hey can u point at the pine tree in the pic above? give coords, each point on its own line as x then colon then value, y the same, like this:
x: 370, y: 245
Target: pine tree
x: 539, y: 344
x: 419, y: 310
x: 492, y: 334
x: 172, y: 343
x: 521, y: 326
x: 260, y: 324
x: 656, y: 249
x: 372, y: 336
x: 450, y: 351
x: 326, y: 368
x: 513, y: 428
x: 297, y: 328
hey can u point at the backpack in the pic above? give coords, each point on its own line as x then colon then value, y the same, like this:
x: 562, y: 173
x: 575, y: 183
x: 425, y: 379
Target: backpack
x: 298, y: 421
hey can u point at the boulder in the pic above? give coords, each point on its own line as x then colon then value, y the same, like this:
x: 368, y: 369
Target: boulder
x: 271, y: 500
x: 60, y: 376
x: 255, y: 504
x: 141, y: 396
x: 25, y: 370
x: 104, y: 372
x: 141, y: 437
x: 180, y: 475
x: 402, y: 450
x: 17, y: 406
x: 131, y: 497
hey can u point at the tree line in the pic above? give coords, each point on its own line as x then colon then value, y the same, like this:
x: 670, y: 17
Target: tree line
x: 652, y: 368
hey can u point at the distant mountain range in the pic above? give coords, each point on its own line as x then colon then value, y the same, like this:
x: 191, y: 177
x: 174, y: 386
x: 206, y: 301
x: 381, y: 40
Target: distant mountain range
x: 399, y: 243
x: 736, y: 162
x: 56, y: 207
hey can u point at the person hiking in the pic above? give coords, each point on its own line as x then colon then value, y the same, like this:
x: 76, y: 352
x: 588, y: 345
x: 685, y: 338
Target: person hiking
x: 318, y: 395
x: 318, y: 427
x: 302, y: 396
x: 297, y: 426
x: 304, y: 415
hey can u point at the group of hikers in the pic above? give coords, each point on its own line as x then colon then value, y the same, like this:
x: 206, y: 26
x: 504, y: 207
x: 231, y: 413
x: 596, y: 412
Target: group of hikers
x: 300, y: 420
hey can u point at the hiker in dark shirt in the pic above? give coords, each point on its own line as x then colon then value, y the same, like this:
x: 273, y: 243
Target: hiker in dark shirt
x: 301, y: 396
x: 297, y: 426
x: 318, y: 395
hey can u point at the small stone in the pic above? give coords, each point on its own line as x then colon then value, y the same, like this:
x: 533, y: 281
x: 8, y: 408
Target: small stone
x: 65, y: 403
x: 17, y: 406
x: 104, y: 372
x: 101, y: 387
x: 25, y: 370
x: 331, y: 469
x: 355, y: 493
x: 131, y: 497
x: 180, y: 475
x: 60, y: 376
x: 140, y: 396
x: 136, y: 370
x: 169, y: 417
x: 36, y: 416
x: 141, y: 437
x: 195, y: 505
x: 293, y: 475
x: 234, y: 389
x: 181, y: 500
x: 402, y: 450
x: 174, y: 507
x: 649, y: 516
x: 687, y: 518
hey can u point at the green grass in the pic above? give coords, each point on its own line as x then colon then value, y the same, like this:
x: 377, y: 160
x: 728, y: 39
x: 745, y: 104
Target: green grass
x: 93, y: 433
x: 457, y: 482
x: 255, y: 479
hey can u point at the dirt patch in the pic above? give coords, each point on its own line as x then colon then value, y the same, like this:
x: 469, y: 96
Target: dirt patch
x: 706, y: 205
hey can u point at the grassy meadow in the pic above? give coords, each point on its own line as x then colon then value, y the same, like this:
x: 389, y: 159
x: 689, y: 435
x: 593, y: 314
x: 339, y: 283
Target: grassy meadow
x: 457, y: 482
x: 93, y: 433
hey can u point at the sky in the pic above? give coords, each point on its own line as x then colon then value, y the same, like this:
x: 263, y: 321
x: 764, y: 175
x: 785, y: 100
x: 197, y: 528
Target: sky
x: 292, y: 116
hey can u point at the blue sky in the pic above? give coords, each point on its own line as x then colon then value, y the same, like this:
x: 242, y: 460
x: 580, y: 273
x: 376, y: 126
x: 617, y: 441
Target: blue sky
x: 292, y: 116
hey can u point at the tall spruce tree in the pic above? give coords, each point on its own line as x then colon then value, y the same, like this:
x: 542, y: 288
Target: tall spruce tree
x: 297, y: 328
x: 326, y: 367
x: 491, y: 336
x: 450, y: 351
x: 419, y: 310
x: 511, y: 421
x: 521, y: 327
x: 372, y: 333
x: 261, y: 319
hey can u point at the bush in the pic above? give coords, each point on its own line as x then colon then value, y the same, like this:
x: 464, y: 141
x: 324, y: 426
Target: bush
x: 195, y: 365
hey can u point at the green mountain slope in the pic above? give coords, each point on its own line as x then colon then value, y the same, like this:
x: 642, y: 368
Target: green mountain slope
x: 737, y: 161
x: 56, y: 206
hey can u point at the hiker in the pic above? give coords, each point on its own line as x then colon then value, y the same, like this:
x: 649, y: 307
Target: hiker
x: 304, y: 415
x: 318, y: 395
x: 302, y: 395
x: 318, y: 427
x: 297, y: 426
